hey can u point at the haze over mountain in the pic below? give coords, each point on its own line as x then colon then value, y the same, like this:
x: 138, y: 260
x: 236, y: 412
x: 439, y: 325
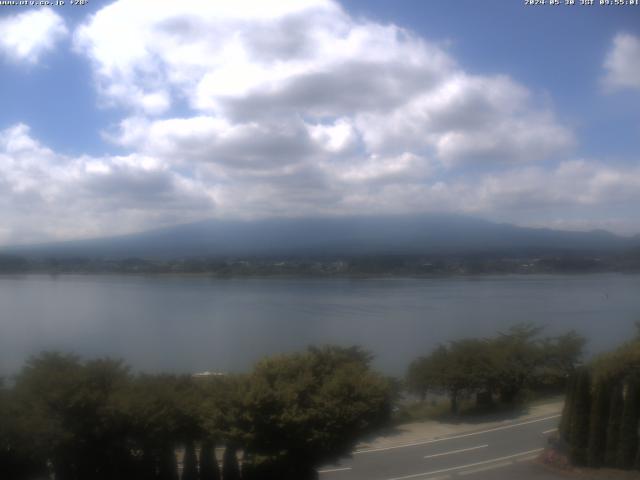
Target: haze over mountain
x: 356, y: 235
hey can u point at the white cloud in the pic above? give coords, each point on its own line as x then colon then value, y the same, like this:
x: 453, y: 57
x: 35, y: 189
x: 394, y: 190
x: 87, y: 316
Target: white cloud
x: 622, y: 63
x: 406, y: 168
x: 254, y: 80
x: 70, y: 197
x: 25, y: 37
x: 256, y: 55
x: 469, y: 118
x: 215, y: 140
x: 293, y: 107
x: 351, y: 83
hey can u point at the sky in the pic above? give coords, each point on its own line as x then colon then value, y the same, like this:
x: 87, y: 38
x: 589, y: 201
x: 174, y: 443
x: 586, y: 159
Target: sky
x: 119, y: 117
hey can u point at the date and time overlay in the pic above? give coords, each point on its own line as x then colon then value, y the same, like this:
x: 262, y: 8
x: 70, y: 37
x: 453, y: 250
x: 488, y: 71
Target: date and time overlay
x: 529, y: 3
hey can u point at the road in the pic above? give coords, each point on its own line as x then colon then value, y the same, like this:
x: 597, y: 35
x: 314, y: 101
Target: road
x: 499, y: 452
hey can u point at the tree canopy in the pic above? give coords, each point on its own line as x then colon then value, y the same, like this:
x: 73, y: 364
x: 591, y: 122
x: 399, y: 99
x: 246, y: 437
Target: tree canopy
x: 601, y: 418
x: 503, y: 365
x: 94, y: 419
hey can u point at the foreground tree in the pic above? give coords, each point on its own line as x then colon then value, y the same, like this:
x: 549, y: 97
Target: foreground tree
x: 602, y: 415
x: 568, y: 411
x: 230, y: 466
x: 19, y: 460
x: 579, y: 436
x: 598, y: 425
x: 518, y: 358
x: 209, y: 469
x: 161, y: 411
x: 463, y: 367
x: 621, y: 369
x: 303, y: 410
x: 558, y: 360
x: 66, y: 409
x: 505, y: 365
x: 616, y: 405
x: 628, y: 443
x: 419, y: 379
x: 190, y: 463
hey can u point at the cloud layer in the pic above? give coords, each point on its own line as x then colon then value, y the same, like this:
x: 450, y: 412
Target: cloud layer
x: 45, y: 195
x: 290, y: 72
x: 294, y: 107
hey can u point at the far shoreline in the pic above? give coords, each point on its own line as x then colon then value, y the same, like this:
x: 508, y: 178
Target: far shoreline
x: 317, y: 276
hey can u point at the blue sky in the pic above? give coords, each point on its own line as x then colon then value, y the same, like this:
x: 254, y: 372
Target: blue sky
x: 123, y: 116
x: 555, y: 50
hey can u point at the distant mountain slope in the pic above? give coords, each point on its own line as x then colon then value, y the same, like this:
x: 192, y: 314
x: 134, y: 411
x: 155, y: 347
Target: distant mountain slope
x: 415, y: 234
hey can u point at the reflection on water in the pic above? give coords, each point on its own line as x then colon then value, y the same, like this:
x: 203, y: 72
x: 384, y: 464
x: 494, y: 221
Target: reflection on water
x: 196, y: 323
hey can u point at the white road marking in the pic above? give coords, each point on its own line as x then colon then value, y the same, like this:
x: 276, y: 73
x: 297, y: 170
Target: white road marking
x: 486, y: 468
x: 461, y: 467
x: 456, y: 451
x: 426, y: 442
x: 527, y: 459
x: 549, y: 431
x: 331, y: 470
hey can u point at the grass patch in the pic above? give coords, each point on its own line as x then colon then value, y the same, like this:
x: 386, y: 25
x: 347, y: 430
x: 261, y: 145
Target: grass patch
x: 440, y: 409
x: 421, y: 411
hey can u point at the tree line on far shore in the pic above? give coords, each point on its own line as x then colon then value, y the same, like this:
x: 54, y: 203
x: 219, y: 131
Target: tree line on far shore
x: 601, y: 419
x: 499, y: 368
x: 73, y: 419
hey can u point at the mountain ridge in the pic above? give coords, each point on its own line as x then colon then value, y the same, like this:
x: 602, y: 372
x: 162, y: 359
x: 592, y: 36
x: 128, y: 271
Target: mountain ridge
x: 334, y: 236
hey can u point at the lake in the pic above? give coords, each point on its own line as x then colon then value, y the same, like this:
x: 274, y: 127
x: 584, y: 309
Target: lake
x: 191, y: 324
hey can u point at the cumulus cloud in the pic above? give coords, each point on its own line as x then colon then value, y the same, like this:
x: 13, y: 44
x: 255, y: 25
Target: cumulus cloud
x: 622, y: 63
x: 469, y: 118
x: 25, y: 37
x: 70, y: 197
x: 249, y: 72
x: 292, y: 107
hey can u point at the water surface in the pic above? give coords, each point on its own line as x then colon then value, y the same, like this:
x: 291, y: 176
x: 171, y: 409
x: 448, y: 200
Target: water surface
x: 197, y: 323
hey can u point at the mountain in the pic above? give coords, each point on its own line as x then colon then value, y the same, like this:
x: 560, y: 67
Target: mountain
x: 401, y: 234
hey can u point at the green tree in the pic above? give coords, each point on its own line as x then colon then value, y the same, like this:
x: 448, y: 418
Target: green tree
x: 161, y: 413
x: 230, y: 467
x: 167, y: 466
x: 305, y: 409
x: 222, y: 415
x: 506, y: 364
x: 209, y: 469
x: 18, y: 459
x: 431, y: 371
x: 462, y: 367
x: 616, y: 405
x: 471, y: 369
x: 580, y: 418
x: 190, y: 462
x: 598, y: 425
x: 617, y: 365
x: 518, y: 357
x: 628, y: 443
x: 559, y: 357
x: 568, y: 411
x: 418, y: 378
x: 66, y: 408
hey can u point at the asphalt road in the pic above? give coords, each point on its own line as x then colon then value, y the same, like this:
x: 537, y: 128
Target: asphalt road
x: 502, y: 452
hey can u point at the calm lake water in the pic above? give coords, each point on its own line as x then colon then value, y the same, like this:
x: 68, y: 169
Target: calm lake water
x: 195, y: 324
